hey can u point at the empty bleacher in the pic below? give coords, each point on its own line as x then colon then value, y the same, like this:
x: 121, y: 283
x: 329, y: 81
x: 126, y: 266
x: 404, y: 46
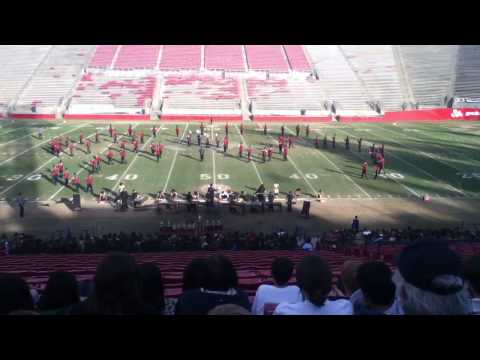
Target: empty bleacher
x: 101, y: 93
x: 285, y: 97
x: 200, y: 94
x: 181, y: 57
x: 224, y: 57
x: 338, y: 79
x: 17, y: 64
x: 54, y: 78
x: 430, y: 72
x: 267, y: 58
x: 297, y: 58
x: 467, y: 72
x: 103, y: 56
x: 375, y: 65
x: 137, y: 57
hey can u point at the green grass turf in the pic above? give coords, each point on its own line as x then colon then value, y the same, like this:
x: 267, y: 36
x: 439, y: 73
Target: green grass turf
x: 440, y: 159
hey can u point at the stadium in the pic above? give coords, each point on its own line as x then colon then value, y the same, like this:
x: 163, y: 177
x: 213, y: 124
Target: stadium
x: 242, y: 171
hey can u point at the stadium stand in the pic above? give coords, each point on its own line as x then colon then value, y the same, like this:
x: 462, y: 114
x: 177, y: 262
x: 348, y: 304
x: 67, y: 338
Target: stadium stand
x: 54, y: 79
x: 200, y: 94
x: 297, y: 58
x: 103, y: 56
x: 338, y: 79
x: 467, y: 71
x: 17, y: 64
x: 286, y: 97
x: 375, y: 65
x: 224, y: 57
x: 101, y: 93
x: 267, y: 58
x: 137, y: 57
x: 181, y: 57
x: 430, y: 72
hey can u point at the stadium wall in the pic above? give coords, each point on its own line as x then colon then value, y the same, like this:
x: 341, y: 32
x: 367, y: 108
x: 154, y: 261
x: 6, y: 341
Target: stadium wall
x: 216, y: 117
x: 33, y: 116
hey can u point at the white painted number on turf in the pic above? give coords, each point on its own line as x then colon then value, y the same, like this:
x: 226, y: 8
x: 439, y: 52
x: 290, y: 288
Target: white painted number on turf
x: 128, y: 177
x: 219, y: 176
x: 34, y: 177
x: 14, y: 177
x: 223, y: 176
x: 205, y: 177
x: 470, y: 176
x: 311, y: 176
x: 393, y: 176
x: 294, y: 176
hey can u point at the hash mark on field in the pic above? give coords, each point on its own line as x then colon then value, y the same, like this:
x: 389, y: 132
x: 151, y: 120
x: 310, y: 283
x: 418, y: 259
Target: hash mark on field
x: 174, y: 160
x: 40, y: 144
x: 252, y: 162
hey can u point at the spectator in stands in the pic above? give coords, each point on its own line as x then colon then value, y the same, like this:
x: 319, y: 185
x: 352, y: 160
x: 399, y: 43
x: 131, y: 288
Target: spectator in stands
x: 377, y: 289
x: 472, y: 274
x: 195, y: 275
x: 14, y: 295
x: 429, y: 281
x: 269, y: 296
x: 61, y: 292
x: 314, y: 279
x: 222, y: 288
x: 118, y: 289
x: 348, y: 278
x: 229, y: 309
x: 152, y: 286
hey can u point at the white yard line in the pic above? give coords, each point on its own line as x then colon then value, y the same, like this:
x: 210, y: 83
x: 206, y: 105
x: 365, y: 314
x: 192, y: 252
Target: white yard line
x: 252, y: 162
x: 34, y: 171
x: 422, y: 152
x: 172, y: 165
x: 315, y: 192
x: 393, y: 179
x: 15, y: 140
x: 213, y: 160
x: 340, y: 170
x: 40, y: 144
x: 452, y: 188
x: 81, y: 170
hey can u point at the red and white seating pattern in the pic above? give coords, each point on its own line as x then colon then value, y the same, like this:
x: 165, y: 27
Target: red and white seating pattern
x: 17, y: 65
x: 181, y: 57
x: 468, y: 72
x: 267, y: 57
x: 111, y: 92
x: 103, y: 56
x: 54, y: 79
x: 375, y: 65
x: 287, y: 97
x: 137, y: 57
x: 224, y: 57
x: 297, y: 58
x: 200, y: 94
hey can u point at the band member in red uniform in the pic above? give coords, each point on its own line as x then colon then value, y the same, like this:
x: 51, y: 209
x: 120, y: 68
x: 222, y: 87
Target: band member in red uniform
x: 217, y: 140
x: 81, y: 138
x: 282, y: 129
x: 290, y: 142
x: 110, y: 156
x: 142, y: 137
x: 177, y: 130
x: 76, y: 182
x: 264, y: 154
x: 152, y: 148
x: 123, y: 155
x: 115, y: 136
x: 93, y: 164
x: 189, y: 139
x: 226, y: 129
x: 61, y: 167
x: 98, y: 159
x: 158, y: 151
x: 66, y: 176
x: 130, y: 130
x: 241, y: 129
x: 97, y: 137
x: 88, y: 143
x: 71, y: 147
x: 364, y: 170
x: 285, y: 153
x: 280, y: 144
x: 270, y: 152
x: 240, y: 150
x: 110, y: 130
x: 202, y: 128
x: 249, y: 153
x: 225, y: 144
x: 135, y: 146
x: 154, y: 131
x: 89, y: 182
x: 123, y: 144
x: 55, y: 174
x: 265, y: 129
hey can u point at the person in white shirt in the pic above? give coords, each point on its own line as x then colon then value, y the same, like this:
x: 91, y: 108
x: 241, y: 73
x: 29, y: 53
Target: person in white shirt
x: 314, y: 279
x: 269, y: 296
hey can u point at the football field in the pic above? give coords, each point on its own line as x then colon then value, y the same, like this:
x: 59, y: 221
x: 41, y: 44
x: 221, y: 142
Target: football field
x: 439, y: 159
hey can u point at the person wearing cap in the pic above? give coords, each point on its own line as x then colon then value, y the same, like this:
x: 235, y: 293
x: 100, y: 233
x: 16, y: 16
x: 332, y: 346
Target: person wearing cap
x: 472, y: 274
x: 429, y: 281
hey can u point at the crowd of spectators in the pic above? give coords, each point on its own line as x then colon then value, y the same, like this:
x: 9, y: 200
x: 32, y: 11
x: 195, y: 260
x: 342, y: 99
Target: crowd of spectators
x: 217, y: 239
x: 429, y: 279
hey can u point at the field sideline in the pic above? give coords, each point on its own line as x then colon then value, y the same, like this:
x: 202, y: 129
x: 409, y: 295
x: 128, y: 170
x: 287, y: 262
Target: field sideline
x: 438, y: 159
